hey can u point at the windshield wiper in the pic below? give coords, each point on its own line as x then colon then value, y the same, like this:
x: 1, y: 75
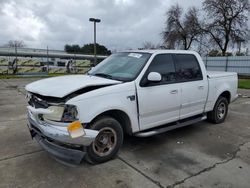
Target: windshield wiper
x: 103, y: 75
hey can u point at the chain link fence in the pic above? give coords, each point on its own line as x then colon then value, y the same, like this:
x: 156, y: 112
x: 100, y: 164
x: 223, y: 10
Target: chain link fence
x: 48, y: 65
x: 26, y: 66
x: 30, y: 61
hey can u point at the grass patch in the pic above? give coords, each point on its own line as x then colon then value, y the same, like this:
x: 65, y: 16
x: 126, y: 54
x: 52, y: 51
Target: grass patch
x: 244, y: 84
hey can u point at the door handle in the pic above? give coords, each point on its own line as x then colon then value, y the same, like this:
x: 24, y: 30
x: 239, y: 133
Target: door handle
x: 174, y: 91
x: 200, y: 87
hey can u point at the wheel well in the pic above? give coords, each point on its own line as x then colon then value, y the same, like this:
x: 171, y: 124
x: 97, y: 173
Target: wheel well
x: 121, y: 117
x: 227, y: 95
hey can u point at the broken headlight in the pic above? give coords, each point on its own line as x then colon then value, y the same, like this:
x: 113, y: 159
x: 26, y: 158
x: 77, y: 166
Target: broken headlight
x: 70, y: 113
x: 56, y: 115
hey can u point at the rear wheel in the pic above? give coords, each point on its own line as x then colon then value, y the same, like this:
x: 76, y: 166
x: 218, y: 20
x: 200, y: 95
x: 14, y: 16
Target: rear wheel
x: 108, y: 141
x: 219, y: 113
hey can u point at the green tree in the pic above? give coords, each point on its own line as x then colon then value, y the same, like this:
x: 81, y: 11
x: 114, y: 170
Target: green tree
x: 75, y: 48
x: 100, y: 49
x: 87, y: 49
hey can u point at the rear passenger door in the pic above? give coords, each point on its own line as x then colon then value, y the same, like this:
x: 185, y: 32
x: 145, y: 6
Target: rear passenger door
x: 194, y: 87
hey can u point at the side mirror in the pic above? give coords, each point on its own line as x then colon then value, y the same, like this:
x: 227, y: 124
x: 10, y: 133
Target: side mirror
x: 154, y: 77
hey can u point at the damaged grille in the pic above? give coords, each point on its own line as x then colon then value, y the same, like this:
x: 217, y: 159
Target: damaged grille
x: 38, y: 101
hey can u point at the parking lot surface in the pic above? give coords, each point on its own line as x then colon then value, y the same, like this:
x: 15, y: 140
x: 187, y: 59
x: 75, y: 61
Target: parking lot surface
x: 200, y: 155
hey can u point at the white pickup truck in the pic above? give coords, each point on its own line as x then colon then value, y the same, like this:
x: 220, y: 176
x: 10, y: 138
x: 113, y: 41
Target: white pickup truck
x: 141, y: 93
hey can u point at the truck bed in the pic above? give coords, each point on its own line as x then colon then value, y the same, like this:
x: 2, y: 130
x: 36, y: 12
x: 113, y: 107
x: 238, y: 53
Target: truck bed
x: 218, y: 82
x: 217, y: 74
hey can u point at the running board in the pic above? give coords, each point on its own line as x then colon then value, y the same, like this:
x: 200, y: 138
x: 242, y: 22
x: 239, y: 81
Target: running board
x: 168, y: 128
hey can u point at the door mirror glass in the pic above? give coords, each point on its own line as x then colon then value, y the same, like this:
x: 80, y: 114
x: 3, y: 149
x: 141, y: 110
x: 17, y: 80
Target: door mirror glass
x: 154, y: 77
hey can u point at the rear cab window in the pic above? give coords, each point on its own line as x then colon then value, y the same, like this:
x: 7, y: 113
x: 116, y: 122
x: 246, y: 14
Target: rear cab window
x: 187, y: 68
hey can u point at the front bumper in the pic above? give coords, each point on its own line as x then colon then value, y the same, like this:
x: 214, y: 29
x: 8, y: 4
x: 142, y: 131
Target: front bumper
x: 55, y: 139
x: 67, y: 155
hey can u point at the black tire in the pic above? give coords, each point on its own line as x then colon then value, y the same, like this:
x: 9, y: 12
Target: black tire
x: 219, y: 113
x: 107, y: 142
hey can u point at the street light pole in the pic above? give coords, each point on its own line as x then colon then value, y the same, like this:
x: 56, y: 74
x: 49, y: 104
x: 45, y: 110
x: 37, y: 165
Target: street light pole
x: 95, y: 60
x: 95, y: 21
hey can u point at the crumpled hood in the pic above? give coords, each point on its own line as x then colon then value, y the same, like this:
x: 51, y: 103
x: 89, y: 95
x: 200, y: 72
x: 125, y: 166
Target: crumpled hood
x: 63, y: 85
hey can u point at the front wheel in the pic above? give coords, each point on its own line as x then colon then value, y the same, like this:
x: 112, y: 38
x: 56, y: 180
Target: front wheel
x: 219, y: 113
x: 108, y: 141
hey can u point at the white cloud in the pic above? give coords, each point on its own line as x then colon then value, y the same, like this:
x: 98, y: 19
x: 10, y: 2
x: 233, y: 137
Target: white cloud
x: 19, y: 23
x: 125, y: 23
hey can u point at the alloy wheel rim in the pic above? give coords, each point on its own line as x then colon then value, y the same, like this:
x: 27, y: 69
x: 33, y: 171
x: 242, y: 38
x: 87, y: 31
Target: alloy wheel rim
x: 105, y: 141
x: 221, y: 110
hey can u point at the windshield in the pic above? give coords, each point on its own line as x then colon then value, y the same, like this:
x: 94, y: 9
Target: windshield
x: 124, y: 66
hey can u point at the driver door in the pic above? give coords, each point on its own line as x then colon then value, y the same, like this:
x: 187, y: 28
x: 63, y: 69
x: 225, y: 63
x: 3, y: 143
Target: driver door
x: 159, y: 102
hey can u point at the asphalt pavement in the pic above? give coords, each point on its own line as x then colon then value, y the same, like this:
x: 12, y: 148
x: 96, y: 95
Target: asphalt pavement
x: 200, y: 155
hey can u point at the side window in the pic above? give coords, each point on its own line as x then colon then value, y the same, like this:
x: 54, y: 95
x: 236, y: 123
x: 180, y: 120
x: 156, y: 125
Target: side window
x: 163, y: 64
x: 187, y: 67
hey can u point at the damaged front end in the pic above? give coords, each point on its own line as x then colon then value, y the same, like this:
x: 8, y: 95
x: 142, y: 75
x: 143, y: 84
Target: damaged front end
x: 55, y: 126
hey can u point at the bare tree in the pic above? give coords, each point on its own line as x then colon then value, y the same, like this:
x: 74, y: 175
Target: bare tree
x: 181, y: 29
x: 148, y: 45
x: 227, y: 21
x: 15, y: 44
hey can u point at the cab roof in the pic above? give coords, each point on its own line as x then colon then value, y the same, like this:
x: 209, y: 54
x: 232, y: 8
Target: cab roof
x: 162, y: 51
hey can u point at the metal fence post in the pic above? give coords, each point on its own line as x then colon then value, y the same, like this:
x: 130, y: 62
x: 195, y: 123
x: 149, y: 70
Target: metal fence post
x: 226, y: 63
x: 206, y: 62
x: 47, y: 60
x: 75, y: 69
